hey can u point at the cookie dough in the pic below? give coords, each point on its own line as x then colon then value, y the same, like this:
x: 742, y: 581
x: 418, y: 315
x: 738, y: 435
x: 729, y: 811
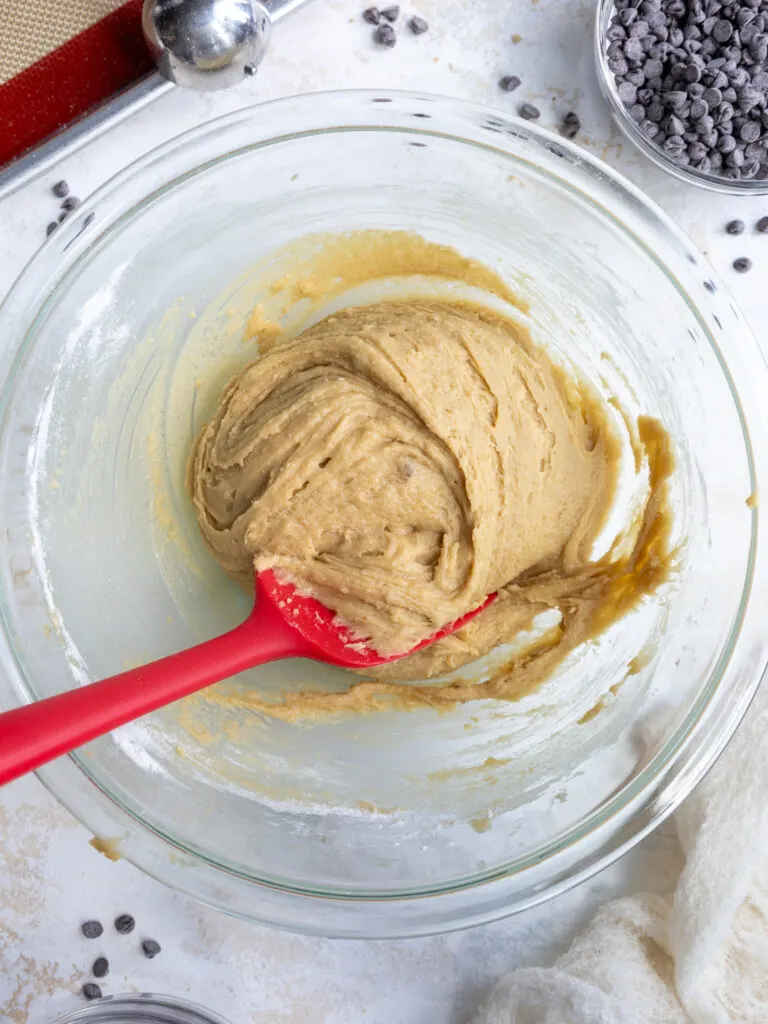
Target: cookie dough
x: 403, y: 460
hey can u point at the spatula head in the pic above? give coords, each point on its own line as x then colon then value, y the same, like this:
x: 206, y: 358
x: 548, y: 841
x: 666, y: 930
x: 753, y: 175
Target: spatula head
x: 318, y: 625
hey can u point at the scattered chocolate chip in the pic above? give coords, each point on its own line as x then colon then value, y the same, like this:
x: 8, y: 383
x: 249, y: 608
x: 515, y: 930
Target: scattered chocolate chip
x: 91, y: 990
x: 762, y: 226
x: 390, y: 13
x: 528, y: 112
x: 62, y: 216
x: 372, y: 15
x: 124, y: 924
x: 92, y: 929
x: 742, y: 265
x: 70, y: 203
x: 572, y: 125
x: 150, y: 948
x: 100, y: 967
x: 385, y: 35
x: 51, y: 228
x: 60, y: 189
x: 735, y: 227
x: 418, y: 25
x: 509, y: 83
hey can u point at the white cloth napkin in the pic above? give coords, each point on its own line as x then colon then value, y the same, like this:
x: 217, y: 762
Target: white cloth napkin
x: 699, y: 956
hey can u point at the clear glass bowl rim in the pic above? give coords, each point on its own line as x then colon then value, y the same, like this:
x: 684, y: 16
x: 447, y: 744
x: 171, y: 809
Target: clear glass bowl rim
x: 754, y: 187
x: 657, y: 790
x: 122, y: 1009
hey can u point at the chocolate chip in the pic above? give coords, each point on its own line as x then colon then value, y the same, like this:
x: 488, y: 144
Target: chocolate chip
x: 124, y: 924
x: 418, y: 25
x: 70, y: 203
x: 750, y: 132
x: 762, y: 226
x: 748, y: 98
x: 390, y: 13
x: 385, y: 35
x: 735, y: 227
x: 529, y: 112
x: 100, y: 967
x: 750, y: 169
x: 92, y: 929
x: 91, y: 990
x: 509, y: 83
x: 572, y: 125
x: 61, y: 189
x: 675, y: 99
x: 633, y: 50
x: 674, y: 145
x: 618, y: 65
x: 372, y: 15
x: 627, y: 93
x: 755, y: 151
x: 51, y: 228
x: 742, y: 264
x: 150, y: 948
x: 705, y: 124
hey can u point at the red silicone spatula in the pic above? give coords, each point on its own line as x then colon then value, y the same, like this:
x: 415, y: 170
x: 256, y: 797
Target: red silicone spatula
x: 283, y: 624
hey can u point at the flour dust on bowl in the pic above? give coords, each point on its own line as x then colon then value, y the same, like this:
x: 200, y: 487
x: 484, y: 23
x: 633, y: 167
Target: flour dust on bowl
x: 120, y: 336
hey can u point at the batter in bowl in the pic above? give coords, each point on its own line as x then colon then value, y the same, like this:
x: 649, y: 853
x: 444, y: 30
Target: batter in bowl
x: 403, y: 460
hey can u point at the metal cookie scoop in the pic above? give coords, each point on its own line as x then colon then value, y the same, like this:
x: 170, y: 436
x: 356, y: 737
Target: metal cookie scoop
x: 210, y: 44
x: 199, y: 44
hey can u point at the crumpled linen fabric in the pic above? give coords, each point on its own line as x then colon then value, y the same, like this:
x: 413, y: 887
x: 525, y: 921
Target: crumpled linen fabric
x: 699, y: 956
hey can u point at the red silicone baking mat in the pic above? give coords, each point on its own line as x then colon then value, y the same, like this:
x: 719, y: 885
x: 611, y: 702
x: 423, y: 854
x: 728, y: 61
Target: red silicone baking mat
x: 61, y: 58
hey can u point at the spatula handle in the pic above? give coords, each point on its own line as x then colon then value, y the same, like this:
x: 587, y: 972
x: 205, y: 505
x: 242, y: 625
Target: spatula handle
x: 36, y: 733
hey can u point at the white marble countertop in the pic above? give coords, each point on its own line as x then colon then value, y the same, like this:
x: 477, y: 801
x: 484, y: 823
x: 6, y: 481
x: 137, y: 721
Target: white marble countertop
x: 50, y: 878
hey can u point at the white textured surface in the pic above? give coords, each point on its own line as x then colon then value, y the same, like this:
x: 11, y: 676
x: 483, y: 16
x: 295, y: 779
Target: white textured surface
x: 50, y: 878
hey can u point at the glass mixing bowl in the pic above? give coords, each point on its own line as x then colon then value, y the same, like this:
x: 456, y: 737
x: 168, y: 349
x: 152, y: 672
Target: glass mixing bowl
x: 141, y: 1009
x: 398, y: 822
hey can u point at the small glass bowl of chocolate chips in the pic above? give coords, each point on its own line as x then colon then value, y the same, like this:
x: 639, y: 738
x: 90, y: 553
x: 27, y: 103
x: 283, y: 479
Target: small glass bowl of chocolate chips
x: 688, y: 82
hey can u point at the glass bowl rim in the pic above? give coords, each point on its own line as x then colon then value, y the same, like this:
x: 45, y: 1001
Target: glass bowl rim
x: 128, y: 1006
x: 640, y: 799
